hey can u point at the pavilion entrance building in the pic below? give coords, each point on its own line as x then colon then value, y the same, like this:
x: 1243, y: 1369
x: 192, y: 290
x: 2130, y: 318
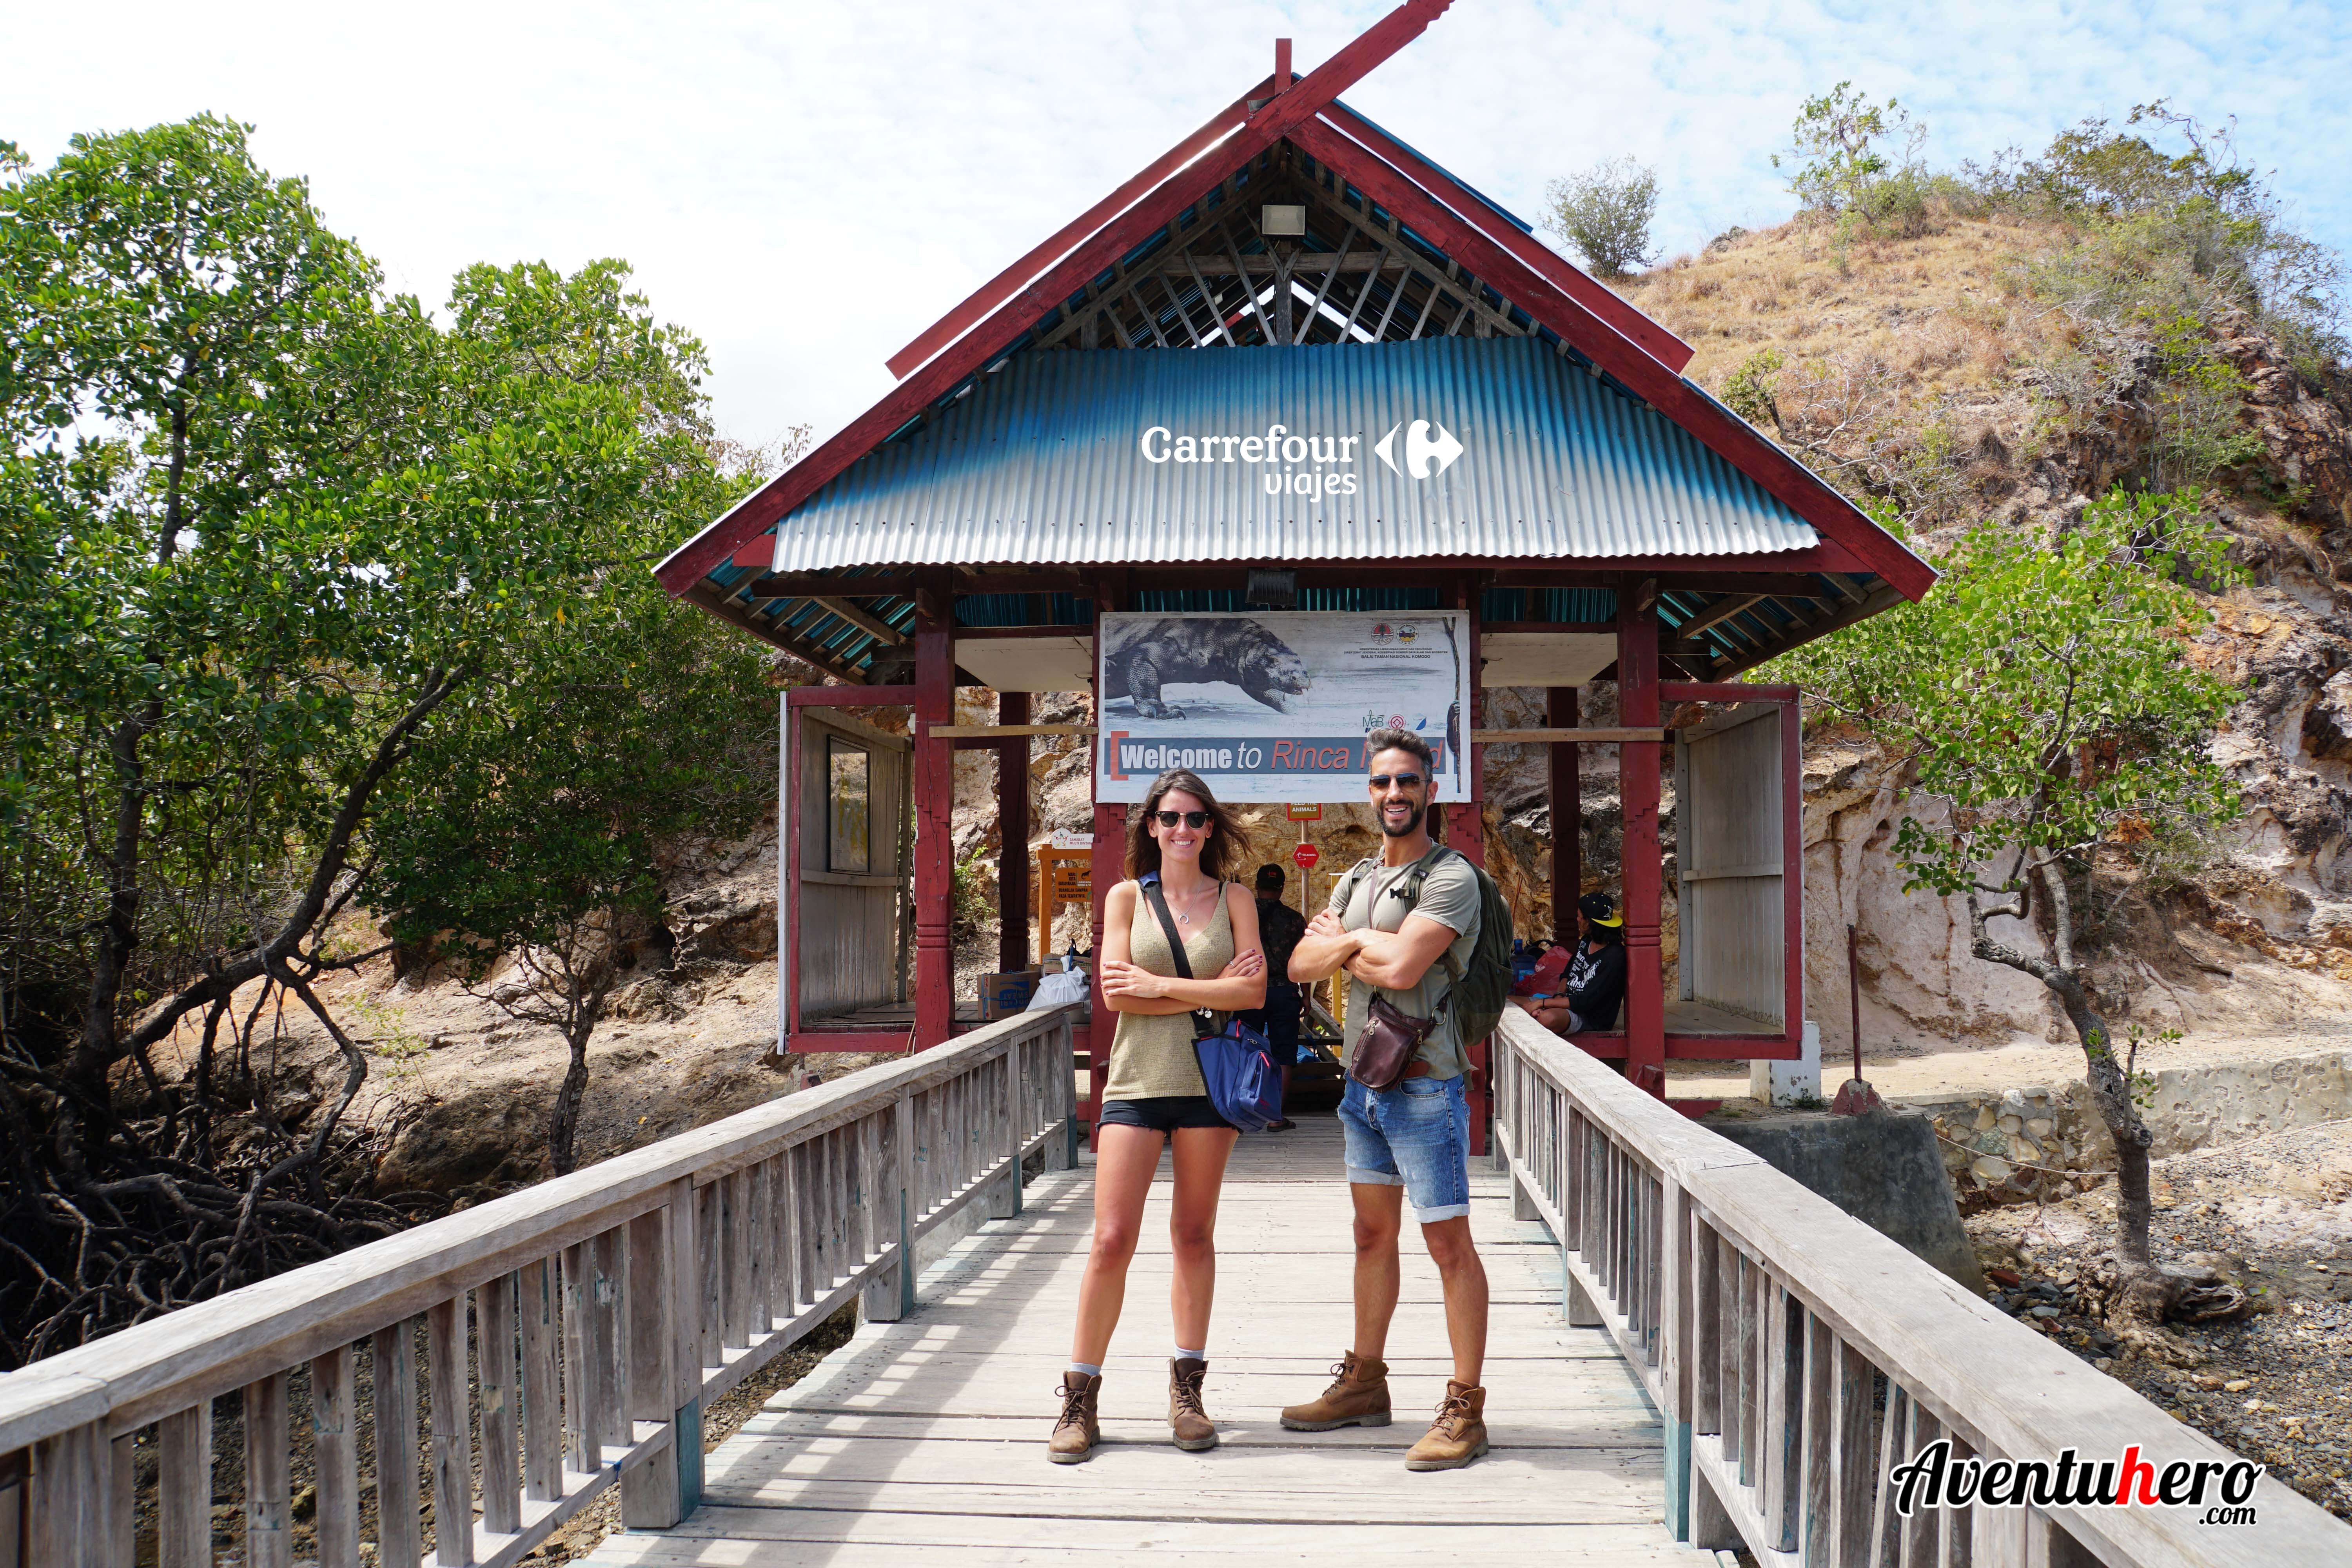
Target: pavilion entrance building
x: 1294, y: 377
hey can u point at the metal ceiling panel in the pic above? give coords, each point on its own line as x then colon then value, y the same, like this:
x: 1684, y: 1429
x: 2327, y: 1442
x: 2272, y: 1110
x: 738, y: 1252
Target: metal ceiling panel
x: 1051, y: 459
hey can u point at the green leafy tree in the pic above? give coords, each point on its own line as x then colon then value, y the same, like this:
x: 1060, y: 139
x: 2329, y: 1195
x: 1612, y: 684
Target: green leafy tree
x: 1854, y: 160
x: 524, y: 843
x: 260, y: 526
x: 2045, y: 691
x: 1606, y: 213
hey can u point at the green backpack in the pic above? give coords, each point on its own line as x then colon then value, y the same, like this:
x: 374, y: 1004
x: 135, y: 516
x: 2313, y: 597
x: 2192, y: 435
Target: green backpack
x: 1477, y: 993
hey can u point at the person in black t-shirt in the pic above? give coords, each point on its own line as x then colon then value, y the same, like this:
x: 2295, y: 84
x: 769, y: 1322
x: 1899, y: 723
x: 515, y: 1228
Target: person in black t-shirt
x: 1595, y: 981
x: 1279, y: 927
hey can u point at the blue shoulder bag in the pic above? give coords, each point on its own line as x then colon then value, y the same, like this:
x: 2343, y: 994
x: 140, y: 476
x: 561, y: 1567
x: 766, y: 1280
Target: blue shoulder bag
x: 1244, y: 1086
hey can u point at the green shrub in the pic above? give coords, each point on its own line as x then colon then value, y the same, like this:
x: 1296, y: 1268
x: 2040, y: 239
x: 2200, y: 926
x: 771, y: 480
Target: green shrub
x: 1606, y: 213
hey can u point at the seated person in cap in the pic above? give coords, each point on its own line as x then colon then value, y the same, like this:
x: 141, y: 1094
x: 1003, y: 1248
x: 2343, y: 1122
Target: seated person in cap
x: 1595, y: 981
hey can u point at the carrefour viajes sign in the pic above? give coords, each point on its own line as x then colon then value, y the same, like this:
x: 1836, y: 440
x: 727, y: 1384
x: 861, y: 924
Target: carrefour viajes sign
x: 1308, y: 464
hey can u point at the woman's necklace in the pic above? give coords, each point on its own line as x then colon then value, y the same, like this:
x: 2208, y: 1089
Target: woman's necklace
x: 1183, y: 918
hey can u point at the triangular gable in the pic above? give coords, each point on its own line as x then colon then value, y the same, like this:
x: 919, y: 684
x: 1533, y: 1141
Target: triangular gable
x: 1636, y: 353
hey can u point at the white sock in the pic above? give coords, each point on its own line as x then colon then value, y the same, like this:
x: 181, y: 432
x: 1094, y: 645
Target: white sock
x: 1183, y: 1355
x: 1086, y: 1369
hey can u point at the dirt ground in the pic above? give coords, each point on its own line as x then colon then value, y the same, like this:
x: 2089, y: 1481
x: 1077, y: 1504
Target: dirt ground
x: 2272, y: 1214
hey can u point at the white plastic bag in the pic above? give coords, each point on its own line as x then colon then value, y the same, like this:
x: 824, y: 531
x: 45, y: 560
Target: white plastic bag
x: 1059, y: 989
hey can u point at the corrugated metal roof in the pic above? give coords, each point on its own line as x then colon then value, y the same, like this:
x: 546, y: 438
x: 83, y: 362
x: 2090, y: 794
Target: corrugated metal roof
x: 1040, y: 463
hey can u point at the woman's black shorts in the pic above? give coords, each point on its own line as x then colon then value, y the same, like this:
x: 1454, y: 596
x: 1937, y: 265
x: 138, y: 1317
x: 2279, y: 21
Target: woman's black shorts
x: 1162, y: 1114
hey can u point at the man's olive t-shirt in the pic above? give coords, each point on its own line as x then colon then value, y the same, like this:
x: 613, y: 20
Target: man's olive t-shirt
x: 1449, y: 895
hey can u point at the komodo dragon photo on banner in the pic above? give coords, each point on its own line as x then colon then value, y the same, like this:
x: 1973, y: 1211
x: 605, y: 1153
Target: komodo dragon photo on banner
x: 1145, y: 656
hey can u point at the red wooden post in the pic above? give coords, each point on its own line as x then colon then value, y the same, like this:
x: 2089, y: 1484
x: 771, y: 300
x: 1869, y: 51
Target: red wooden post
x: 1637, y: 765
x: 934, y: 810
x: 1567, y: 817
x: 790, y: 839
x: 1110, y: 866
x: 1013, y: 863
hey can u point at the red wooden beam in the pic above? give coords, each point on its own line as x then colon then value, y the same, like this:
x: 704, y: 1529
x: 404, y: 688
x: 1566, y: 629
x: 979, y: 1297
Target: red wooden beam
x: 1723, y: 432
x: 1555, y: 269
x: 1005, y: 284
x: 1284, y: 114
x: 1732, y: 1049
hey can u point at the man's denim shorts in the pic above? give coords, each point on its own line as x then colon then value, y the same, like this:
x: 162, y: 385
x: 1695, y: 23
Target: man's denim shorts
x: 1414, y: 1134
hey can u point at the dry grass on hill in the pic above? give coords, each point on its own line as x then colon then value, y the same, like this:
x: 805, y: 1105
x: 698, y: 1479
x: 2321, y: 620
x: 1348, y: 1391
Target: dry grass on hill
x: 1934, y: 308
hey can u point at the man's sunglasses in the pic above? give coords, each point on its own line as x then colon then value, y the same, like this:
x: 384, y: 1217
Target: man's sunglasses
x: 1406, y: 780
x: 1189, y: 818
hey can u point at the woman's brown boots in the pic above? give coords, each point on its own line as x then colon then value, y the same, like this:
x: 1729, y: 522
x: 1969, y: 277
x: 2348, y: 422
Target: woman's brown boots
x: 1080, y: 1429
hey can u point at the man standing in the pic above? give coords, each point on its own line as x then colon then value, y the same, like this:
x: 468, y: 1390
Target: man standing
x: 1408, y: 1143
x: 1279, y: 927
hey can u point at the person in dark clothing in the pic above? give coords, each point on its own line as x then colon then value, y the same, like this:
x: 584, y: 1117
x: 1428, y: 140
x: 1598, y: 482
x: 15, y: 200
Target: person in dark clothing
x: 1279, y: 927
x: 1595, y: 981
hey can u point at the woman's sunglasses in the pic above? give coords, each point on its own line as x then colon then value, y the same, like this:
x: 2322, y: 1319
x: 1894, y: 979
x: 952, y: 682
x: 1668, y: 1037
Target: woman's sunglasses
x: 1402, y: 780
x: 1189, y: 818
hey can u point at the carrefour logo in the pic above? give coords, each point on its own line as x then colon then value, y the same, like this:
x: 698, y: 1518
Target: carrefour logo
x: 1301, y: 464
x: 1420, y: 450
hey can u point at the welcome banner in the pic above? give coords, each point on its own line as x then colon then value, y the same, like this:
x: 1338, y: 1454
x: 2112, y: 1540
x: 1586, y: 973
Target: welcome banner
x: 1271, y: 705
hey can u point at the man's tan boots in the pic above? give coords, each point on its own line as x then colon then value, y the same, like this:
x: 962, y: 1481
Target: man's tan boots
x: 1185, y: 1417
x: 1358, y: 1396
x: 1458, y: 1435
x: 1079, y: 1430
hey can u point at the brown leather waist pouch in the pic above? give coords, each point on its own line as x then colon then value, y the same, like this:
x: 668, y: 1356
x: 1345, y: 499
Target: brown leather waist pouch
x: 1385, y: 1046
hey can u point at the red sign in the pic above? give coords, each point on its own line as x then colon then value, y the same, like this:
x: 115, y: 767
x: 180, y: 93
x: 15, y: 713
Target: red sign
x: 1305, y: 856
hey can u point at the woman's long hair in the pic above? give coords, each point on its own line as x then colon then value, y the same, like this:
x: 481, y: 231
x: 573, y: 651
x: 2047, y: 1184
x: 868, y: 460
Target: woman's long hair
x: 1225, y: 848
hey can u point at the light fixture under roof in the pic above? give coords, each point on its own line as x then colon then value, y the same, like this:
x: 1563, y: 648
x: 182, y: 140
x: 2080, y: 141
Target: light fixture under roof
x: 1282, y: 222
x: 1270, y: 589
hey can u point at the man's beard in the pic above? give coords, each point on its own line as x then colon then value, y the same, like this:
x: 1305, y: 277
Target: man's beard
x: 1412, y: 823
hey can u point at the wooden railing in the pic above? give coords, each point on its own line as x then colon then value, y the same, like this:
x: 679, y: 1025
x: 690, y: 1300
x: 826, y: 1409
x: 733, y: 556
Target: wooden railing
x: 1797, y: 1356
x: 608, y: 1306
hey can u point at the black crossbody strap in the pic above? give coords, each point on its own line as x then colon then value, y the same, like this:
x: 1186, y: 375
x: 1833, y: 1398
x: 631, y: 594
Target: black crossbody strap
x: 1203, y: 1023
x: 1168, y: 923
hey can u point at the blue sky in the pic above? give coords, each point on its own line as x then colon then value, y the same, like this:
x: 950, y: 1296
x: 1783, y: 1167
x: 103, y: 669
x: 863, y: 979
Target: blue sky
x: 808, y: 185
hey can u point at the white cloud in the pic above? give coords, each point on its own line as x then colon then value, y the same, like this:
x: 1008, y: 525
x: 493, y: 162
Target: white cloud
x: 807, y: 186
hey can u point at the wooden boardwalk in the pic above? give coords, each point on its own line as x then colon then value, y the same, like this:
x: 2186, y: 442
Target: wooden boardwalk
x: 924, y: 1441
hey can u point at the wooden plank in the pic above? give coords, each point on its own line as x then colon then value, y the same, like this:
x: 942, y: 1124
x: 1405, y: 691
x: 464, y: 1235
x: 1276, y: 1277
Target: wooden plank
x: 72, y: 1488
x: 494, y: 1321
x: 608, y: 1363
x: 453, y: 1464
x: 394, y: 1352
x: 581, y: 1417
x: 1852, y: 1480
x: 650, y: 1497
x: 542, y: 1386
x: 122, y: 1501
x: 335, y: 1456
x: 183, y: 1491
x: 865, y: 621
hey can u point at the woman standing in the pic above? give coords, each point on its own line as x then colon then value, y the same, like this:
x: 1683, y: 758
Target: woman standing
x: 1187, y: 843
